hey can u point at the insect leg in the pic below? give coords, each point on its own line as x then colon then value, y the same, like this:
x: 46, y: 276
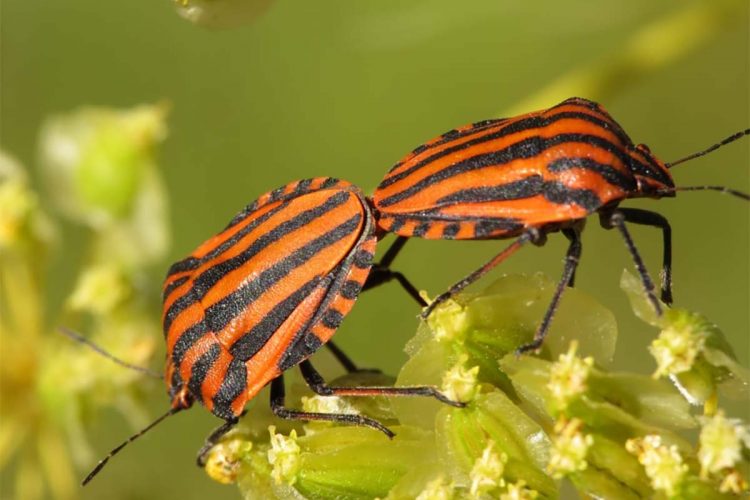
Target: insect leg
x: 617, y: 219
x: 278, y: 396
x: 648, y: 218
x: 315, y: 381
x: 572, y: 257
x: 471, y: 278
x: 381, y: 272
x: 214, y: 438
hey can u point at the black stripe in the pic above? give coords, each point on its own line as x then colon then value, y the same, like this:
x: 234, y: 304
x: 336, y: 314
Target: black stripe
x: 233, y: 384
x: 511, y: 129
x: 329, y: 183
x: 303, y: 186
x: 302, y: 347
x: 200, y: 368
x: 451, y: 230
x: 186, y: 341
x: 172, y: 286
x: 524, y: 149
x: 363, y: 259
x: 253, y: 340
x: 250, y: 208
x: 421, y: 229
x: 607, y: 172
x: 351, y: 289
x: 191, y: 263
x: 277, y: 193
x: 187, y: 264
x: 557, y: 192
x: 226, y: 245
x: 523, y: 188
x: 398, y: 223
x: 487, y: 227
x: 332, y: 319
x: 211, y: 276
x: 233, y: 304
x: 475, y: 127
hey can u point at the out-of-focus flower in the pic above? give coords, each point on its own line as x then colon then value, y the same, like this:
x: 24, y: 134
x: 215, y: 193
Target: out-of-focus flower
x: 101, y: 164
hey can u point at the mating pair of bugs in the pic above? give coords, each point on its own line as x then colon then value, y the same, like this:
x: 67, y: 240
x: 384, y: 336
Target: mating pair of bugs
x: 269, y: 290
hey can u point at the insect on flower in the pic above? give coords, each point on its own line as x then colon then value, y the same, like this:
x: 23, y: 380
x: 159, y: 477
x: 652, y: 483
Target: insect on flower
x: 262, y: 296
x: 526, y: 177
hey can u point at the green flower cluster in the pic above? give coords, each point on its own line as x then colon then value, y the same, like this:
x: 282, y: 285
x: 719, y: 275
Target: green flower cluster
x: 100, y: 170
x: 533, y: 425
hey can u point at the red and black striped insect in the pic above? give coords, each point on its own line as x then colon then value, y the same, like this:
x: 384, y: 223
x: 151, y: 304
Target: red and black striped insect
x: 262, y: 296
x: 528, y: 176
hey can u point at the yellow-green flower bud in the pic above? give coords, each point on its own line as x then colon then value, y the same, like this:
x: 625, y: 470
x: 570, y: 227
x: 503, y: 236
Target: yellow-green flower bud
x: 518, y: 491
x: 460, y: 383
x: 448, y: 322
x: 677, y: 347
x: 663, y: 464
x: 225, y: 459
x: 721, y: 442
x: 284, y: 456
x: 437, y: 489
x: 487, y: 473
x: 569, y: 448
x: 568, y: 376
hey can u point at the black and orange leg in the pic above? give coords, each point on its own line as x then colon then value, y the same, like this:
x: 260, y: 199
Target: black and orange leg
x: 278, y: 397
x: 617, y: 220
x: 528, y: 236
x: 318, y: 385
x: 214, y: 438
x: 653, y: 219
x: 381, y: 272
x: 572, y: 258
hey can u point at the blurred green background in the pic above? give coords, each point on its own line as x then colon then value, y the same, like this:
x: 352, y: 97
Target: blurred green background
x: 342, y: 88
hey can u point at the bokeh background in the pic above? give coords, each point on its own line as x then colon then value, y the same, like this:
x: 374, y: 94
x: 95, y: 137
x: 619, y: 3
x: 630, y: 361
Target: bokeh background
x: 341, y: 88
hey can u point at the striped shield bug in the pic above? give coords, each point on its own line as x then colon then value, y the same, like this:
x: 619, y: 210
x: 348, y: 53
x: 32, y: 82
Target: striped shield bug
x: 261, y: 297
x: 525, y: 177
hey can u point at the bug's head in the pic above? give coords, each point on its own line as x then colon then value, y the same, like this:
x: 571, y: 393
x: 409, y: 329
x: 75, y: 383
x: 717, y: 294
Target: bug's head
x: 651, y: 174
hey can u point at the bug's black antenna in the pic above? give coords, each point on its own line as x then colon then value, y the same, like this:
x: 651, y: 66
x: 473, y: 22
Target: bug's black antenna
x: 77, y: 337
x: 721, y: 189
x: 716, y: 146
x: 122, y: 445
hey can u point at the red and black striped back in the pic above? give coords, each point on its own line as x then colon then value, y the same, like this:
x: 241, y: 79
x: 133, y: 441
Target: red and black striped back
x: 494, y: 178
x: 266, y: 292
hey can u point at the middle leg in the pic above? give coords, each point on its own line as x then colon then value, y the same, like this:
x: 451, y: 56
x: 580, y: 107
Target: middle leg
x: 572, y: 258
